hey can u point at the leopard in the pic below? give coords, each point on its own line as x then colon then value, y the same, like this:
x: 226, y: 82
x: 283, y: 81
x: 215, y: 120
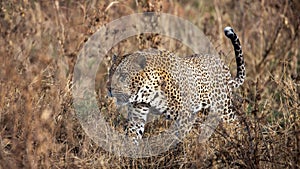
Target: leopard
x: 159, y: 81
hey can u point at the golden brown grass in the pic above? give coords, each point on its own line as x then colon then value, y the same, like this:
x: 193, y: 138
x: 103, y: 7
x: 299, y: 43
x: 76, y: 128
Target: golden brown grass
x: 39, y: 44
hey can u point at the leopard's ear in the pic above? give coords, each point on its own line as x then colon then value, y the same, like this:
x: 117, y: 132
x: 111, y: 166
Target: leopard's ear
x: 140, y: 62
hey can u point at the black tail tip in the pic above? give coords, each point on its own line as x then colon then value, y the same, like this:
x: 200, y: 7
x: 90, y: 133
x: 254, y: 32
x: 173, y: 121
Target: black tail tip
x: 229, y: 32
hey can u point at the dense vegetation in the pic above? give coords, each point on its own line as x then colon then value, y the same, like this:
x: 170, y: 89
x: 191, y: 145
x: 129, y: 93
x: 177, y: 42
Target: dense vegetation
x: 39, y: 44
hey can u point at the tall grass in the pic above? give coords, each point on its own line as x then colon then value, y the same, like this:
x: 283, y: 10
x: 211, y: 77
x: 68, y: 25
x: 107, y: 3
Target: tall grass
x: 39, y: 45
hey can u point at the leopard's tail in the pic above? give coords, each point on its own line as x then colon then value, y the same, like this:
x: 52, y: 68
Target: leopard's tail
x: 241, y: 73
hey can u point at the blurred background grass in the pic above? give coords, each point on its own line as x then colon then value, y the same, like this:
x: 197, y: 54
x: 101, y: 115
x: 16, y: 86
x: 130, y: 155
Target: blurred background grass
x: 39, y: 44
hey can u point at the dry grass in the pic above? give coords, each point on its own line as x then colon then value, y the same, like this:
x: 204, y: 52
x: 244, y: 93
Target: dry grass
x: 39, y: 44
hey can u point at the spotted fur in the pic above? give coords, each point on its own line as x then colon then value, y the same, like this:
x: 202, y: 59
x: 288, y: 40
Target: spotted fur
x: 175, y: 86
